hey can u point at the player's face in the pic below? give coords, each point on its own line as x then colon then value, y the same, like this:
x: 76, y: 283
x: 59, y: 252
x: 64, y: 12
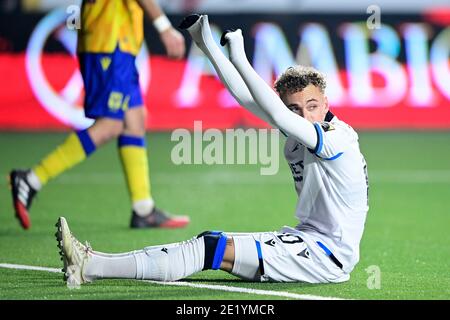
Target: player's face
x: 309, y: 103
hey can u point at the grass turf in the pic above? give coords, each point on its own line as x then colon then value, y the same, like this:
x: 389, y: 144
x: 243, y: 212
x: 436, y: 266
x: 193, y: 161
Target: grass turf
x: 406, y: 233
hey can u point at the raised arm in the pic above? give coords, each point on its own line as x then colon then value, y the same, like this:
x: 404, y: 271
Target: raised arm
x: 199, y: 30
x: 284, y: 119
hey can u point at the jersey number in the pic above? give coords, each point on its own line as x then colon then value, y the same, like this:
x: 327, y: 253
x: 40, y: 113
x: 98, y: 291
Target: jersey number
x: 289, y: 238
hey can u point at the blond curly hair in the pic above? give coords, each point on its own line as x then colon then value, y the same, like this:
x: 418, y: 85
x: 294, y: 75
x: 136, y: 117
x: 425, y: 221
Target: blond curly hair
x: 297, y: 78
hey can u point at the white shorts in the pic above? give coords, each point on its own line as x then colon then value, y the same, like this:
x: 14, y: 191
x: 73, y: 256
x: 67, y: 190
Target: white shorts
x: 290, y: 255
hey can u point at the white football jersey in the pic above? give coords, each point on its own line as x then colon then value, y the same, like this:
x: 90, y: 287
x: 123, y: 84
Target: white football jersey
x: 332, y: 186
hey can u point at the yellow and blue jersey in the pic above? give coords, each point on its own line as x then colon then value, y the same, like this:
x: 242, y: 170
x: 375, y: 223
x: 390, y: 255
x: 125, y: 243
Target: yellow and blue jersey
x: 107, y: 24
x: 110, y: 37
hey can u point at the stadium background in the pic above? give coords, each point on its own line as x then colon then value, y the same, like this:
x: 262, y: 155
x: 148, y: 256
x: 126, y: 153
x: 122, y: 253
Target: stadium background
x: 391, y: 84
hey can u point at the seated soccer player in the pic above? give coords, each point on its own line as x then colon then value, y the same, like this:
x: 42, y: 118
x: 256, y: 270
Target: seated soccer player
x: 109, y: 39
x: 329, y: 174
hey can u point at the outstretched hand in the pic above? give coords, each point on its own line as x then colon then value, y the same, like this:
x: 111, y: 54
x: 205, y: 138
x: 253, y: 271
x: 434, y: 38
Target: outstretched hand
x: 235, y: 43
x: 174, y: 43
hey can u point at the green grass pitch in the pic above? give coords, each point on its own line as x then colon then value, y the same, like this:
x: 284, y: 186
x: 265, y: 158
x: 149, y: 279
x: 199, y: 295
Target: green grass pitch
x: 406, y: 236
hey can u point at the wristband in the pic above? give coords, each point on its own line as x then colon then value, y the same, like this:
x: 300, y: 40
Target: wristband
x: 162, y: 23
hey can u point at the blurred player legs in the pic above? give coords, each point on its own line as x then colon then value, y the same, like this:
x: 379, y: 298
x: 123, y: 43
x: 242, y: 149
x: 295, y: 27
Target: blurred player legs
x: 77, y: 147
x: 108, y: 41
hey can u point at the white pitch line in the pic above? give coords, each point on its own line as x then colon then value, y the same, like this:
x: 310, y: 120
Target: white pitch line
x: 194, y: 285
x: 246, y: 290
x: 23, y: 267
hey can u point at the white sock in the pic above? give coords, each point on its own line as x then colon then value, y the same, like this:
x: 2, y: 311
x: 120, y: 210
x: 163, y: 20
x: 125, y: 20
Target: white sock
x: 149, y: 248
x: 34, y: 181
x: 173, y: 263
x: 143, y: 207
x: 120, y: 267
x: 170, y: 263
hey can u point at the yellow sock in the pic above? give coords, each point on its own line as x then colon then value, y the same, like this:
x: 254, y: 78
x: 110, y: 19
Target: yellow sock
x: 135, y: 165
x: 72, y: 151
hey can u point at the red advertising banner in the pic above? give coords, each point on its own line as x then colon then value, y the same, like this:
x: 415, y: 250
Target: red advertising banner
x: 396, y: 76
x: 22, y: 108
x: 26, y: 107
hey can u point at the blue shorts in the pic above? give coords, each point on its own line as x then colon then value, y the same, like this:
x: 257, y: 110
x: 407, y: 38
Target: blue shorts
x: 111, y: 84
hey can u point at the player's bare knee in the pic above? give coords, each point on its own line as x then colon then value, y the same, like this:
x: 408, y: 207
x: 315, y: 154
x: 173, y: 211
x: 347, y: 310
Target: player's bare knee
x: 135, y: 120
x: 105, y: 130
x: 137, y: 130
x: 228, y: 257
x: 113, y: 130
x: 144, y: 113
x: 116, y: 132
